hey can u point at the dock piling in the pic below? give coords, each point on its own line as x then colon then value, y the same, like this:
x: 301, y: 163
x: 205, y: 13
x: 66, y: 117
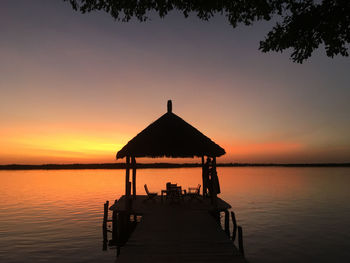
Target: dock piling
x: 105, y: 214
x: 227, y: 223
x: 104, y: 225
x: 127, y: 175
x: 133, y: 164
x: 240, y: 240
x: 234, y: 222
x: 115, y: 224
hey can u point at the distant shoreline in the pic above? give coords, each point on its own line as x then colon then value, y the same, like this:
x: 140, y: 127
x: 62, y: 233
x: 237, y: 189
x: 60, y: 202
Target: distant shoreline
x: 159, y: 165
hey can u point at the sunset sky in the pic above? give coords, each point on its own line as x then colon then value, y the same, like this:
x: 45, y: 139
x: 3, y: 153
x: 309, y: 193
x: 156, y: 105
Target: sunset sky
x: 76, y: 88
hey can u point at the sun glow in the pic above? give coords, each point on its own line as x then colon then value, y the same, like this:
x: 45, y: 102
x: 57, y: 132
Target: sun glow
x: 48, y: 146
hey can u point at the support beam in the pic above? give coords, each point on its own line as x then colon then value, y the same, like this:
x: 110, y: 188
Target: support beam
x: 214, y: 163
x: 133, y: 164
x: 127, y: 175
x: 234, y: 222
x: 105, y: 215
x: 214, y: 182
x: 115, y: 225
x: 240, y: 240
x: 104, y: 226
x: 227, y: 223
x: 203, y: 177
x: 218, y: 191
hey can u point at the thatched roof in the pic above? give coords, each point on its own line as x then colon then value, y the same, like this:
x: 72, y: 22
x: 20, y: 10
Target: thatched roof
x: 170, y: 136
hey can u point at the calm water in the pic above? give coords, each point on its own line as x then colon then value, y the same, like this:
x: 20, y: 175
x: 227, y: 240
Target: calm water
x: 287, y: 214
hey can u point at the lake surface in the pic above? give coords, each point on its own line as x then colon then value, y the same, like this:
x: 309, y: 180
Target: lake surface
x: 287, y: 214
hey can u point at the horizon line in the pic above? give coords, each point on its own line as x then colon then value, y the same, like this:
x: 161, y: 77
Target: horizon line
x: 159, y: 165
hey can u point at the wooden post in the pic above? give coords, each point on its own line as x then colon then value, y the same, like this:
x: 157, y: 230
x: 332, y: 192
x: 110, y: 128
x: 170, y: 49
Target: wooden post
x: 234, y: 222
x: 240, y: 240
x: 215, y: 193
x: 104, y: 245
x: 105, y: 214
x: 129, y: 190
x: 133, y: 163
x: 203, y: 177
x: 217, y: 216
x: 127, y: 174
x: 128, y: 202
x: 123, y: 226
x: 115, y: 224
x: 227, y: 223
x: 104, y: 225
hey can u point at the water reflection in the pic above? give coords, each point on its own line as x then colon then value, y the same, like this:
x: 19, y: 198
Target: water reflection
x: 288, y: 214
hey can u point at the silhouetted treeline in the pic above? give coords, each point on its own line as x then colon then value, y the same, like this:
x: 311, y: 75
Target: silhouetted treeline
x: 299, y: 26
x: 159, y: 165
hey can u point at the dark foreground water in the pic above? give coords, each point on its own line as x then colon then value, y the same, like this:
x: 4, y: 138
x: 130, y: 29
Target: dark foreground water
x: 287, y: 214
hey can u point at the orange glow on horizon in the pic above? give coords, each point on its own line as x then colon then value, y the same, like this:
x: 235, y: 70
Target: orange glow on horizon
x: 88, y: 143
x: 39, y: 145
x: 43, y: 145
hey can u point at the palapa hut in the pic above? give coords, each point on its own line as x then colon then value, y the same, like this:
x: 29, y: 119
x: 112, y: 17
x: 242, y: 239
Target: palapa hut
x: 168, y: 136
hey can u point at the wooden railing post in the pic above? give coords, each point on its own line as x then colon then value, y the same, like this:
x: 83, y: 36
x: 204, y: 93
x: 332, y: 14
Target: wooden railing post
x: 214, y: 184
x: 234, y: 222
x: 123, y: 226
x: 128, y: 192
x: 133, y: 164
x: 105, y: 214
x: 227, y: 223
x: 104, y: 225
x: 127, y: 175
x: 203, y: 178
x: 240, y: 240
x: 115, y: 224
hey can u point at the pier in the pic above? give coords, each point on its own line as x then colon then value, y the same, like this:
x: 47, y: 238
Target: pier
x: 188, y: 230
x: 179, y: 224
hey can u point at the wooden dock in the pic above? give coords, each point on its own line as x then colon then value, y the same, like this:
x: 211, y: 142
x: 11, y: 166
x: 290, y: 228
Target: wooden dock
x: 185, y: 227
x: 181, y: 231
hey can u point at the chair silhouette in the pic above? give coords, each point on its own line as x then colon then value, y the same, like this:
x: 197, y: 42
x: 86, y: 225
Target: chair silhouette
x: 149, y: 195
x: 194, y: 192
x: 174, y: 192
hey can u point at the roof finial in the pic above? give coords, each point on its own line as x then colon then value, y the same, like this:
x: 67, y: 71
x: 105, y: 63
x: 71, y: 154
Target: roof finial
x: 170, y: 106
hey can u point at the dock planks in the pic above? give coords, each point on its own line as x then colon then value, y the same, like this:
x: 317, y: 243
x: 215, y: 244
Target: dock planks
x: 177, y: 232
x: 141, y: 205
